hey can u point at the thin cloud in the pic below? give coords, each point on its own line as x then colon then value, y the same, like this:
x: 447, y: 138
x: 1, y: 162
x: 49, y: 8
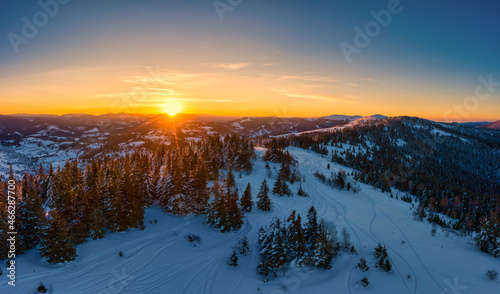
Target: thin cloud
x: 280, y: 90
x: 232, y: 66
x: 322, y: 97
x: 307, y: 78
x: 197, y: 100
x: 158, y: 76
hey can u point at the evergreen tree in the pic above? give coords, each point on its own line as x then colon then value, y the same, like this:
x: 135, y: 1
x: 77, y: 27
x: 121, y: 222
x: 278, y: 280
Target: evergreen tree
x: 387, y: 266
x: 346, y: 239
x: 488, y: 238
x: 131, y: 193
x: 234, y: 214
x: 383, y: 262
x: 217, y: 213
x: 362, y: 265
x: 112, y: 200
x: 41, y: 288
x: 340, y: 182
x: 264, y: 203
x: 200, y: 189
x: 57, y: 245
x: 280, y: 186
x: 272, y: 249
x: 246, y: 200
x: 265, y: 241
x: 364, y: 282
x: 277, y: 251
x: 378, y: 251
x: 301, y: 191
x: 233, y: 260
x: 298, y: 241
x: 49, y: 194
x: 244, y: 246
x: 323, y: 252
x: 96, y: 224
x: 153, y: 182
x: 30, y: 216
x: 311, y: 227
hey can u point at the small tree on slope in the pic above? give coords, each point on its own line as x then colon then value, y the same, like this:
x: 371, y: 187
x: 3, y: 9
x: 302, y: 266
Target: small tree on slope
x: 264, y: 203
x: 246, y: 200
x: 57, y: 245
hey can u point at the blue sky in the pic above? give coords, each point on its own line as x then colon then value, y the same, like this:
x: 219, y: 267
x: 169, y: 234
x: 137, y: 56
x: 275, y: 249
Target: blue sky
x: 284, y: 53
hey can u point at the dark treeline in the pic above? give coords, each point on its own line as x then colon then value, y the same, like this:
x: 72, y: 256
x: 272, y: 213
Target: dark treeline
x: 456, y: 176
x: 57, y: 209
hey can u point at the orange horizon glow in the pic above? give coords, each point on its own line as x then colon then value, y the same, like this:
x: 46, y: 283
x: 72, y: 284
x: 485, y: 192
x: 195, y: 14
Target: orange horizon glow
x: 236, y: 90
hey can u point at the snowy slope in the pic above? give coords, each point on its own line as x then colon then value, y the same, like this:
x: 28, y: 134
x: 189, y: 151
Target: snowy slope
x: 160, y: 260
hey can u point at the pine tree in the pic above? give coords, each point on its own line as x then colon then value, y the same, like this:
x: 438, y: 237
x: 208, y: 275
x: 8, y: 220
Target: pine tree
x: 234, y: 214
x: 233, y: 260
x: 200, y: 189
x: 301, y: 191
x: 153, y: 182
x: 265, y: 242
x: 217, y: 213
x: 311, y: 227
x: 488, y: 238
x: 379, y: 250
x: 364, y: 282
x: 280, y: 186
x: 264, y: 203
x: 383, y: 262
x: 246, y: 200
x: 323, y: 252
x: 277, y: 251
x: 244, y: 246
x: 298, y: 241
x: 96, y: 224
x: 339, y: 181
x: 57, y: 245
x: 387, y: 266
x: 30, y: 216
x: 362, y: 265
x: 112, y: 200
x: 49, y: 194
x: 131, y: 191
x: 272, y: 250
x: 346, y: 239
x: 41, y: 288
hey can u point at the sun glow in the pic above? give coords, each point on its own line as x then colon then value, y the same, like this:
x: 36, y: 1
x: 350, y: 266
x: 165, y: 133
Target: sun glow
x: 171, y: 107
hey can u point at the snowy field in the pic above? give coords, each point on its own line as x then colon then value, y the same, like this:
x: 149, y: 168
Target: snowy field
x: 160, y: 260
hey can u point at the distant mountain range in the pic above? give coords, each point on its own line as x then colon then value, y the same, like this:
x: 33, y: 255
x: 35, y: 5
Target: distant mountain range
x: 26, y: 140
x: 351, y: 117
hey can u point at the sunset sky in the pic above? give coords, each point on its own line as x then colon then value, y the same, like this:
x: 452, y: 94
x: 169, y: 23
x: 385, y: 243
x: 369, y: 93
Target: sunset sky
x: 258, y: 58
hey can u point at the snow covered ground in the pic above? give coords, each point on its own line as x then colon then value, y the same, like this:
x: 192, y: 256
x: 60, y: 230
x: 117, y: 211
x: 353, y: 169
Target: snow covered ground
x: 160, y: 260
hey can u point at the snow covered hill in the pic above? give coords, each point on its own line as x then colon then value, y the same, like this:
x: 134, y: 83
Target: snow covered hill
x: 158, y: 259
x: 493, y: 125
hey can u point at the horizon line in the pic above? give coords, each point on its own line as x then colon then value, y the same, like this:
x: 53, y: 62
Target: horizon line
x: 451, y: 120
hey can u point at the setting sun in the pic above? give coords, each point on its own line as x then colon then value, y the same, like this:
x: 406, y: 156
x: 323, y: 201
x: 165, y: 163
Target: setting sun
x: 172, y: 108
